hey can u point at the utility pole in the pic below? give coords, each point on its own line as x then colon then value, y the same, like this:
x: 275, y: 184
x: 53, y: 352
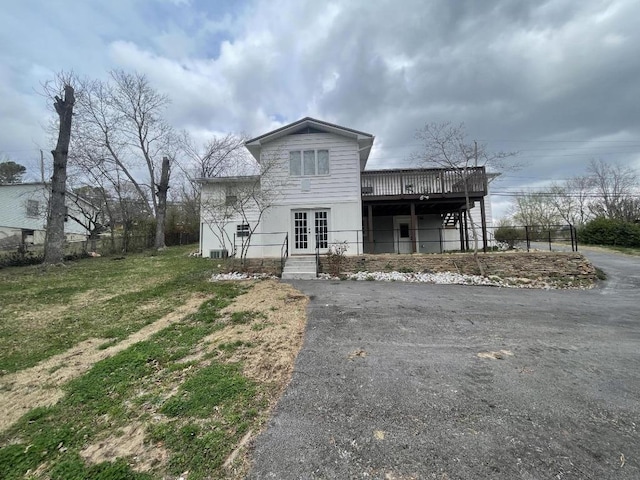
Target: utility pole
x: 475, y: 152
x: 42, y: 166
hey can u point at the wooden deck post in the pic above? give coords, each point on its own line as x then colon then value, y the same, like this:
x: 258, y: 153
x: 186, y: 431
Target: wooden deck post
x: 370, y: 227
x: 484, y: 225
x: 466, y: 231
x: 414, y: 227
x: 461, y: 228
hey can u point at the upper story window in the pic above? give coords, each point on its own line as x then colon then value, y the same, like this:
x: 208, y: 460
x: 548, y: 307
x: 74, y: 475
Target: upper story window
x: 305, y: 163
x: 33, y: 208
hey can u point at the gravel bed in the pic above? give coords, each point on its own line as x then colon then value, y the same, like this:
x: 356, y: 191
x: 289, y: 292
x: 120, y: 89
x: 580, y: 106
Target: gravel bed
x: 223, y: 277
x: 443, y: 278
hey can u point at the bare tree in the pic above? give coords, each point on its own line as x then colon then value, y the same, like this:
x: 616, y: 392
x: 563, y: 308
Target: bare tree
x: 615, y: 187
x: 537, y: 210
x: 446, y: 146
x: 161, y: 209
x: 579, y: 188
x: 122, y: 127
x: 86, y: 214
x: 217, y: 157
x: 54, y: 245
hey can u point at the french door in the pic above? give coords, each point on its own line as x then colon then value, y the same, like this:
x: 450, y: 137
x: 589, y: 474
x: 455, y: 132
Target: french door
x: 310, y: 229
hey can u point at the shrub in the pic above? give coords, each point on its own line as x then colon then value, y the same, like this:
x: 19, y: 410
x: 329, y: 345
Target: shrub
x: 605, y: 231
x: 335, y: 257
x: 508, y: 236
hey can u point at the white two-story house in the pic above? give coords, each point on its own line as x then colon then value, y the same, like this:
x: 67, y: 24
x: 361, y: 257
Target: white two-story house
x: 314, y: 191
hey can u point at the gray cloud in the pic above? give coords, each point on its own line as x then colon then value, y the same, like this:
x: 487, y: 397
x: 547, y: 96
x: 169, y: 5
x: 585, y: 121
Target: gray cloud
x: 556, y: 80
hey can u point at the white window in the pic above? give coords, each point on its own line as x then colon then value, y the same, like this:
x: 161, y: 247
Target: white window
x: 242, y: 230
x: 295, y: 167
x: 323, y: 162
x: 308, y: 163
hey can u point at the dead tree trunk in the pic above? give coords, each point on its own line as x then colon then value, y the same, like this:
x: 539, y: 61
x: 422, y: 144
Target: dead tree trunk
x: 161, y: 214
x: 54, y: 244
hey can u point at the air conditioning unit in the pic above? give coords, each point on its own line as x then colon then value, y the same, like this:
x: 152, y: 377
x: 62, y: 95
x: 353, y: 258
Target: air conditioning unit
x: 218, y: 253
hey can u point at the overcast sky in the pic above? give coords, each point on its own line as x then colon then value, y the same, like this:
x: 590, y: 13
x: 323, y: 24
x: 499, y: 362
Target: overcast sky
x: 558, y: 80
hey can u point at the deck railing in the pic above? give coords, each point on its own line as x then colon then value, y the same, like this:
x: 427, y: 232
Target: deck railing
x: 423, y: 181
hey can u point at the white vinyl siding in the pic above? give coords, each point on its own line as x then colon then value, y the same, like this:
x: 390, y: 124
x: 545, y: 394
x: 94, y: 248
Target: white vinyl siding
x: 337, y: 169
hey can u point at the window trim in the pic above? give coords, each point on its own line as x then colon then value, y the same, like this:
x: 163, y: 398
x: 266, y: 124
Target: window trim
x: 301, y: 164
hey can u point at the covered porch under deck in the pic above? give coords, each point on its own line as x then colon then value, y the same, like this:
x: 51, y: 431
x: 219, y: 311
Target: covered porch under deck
x: 421, y: 211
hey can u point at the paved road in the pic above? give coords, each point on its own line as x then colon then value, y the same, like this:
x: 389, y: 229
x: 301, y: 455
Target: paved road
x: 389, y: 384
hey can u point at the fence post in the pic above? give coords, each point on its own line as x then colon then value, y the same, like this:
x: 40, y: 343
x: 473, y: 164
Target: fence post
x: 526, y: 234
x: 575, y: 236
x: 550, y: 239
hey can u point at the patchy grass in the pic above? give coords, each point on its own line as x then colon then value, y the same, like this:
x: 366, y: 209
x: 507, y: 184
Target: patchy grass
x: 245, y: 316
x: 46, y: 310
x: 180, y: 399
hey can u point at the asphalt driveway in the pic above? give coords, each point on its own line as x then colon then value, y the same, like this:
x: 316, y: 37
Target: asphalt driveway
x: 398, y: 381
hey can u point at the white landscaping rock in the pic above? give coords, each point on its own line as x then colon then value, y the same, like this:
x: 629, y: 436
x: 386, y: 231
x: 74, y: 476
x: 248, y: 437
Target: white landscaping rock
x: 442, y: 278
x: 223, y: 277
x: 449, y: 278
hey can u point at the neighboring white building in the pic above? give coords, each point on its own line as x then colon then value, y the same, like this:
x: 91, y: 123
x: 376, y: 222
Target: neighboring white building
x: 23, y: 214
x: 318, y: 193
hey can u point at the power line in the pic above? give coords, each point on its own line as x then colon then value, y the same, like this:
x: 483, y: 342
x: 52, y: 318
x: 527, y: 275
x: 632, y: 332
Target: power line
x: 567, y: 194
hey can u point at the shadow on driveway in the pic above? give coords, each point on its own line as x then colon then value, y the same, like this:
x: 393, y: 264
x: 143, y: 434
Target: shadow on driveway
x: 398, y: 381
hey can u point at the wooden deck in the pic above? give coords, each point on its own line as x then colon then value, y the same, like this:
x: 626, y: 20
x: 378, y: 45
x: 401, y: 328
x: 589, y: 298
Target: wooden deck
x: 423, y: 183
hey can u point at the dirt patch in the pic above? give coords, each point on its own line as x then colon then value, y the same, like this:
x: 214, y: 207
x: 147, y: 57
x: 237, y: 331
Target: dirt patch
x: 276, y: 339
x: 40, y: 385
x: 129, y: 442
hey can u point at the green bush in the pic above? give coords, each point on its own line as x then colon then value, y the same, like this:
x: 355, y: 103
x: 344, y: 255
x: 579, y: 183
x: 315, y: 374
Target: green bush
x: 508, y: 235
x: 604, y: 231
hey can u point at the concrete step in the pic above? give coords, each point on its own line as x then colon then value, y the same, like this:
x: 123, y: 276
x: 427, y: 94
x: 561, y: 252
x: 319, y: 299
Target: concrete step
x: 299, y: 268
x: 298, y: 276
x: 301, y: 259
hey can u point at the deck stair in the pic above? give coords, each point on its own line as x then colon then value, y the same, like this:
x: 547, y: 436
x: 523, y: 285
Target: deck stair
x: 450, y: 219
x: 300, y: 268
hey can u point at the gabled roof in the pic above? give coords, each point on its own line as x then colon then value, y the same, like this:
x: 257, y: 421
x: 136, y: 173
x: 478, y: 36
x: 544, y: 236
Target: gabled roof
x: 312, y: 125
